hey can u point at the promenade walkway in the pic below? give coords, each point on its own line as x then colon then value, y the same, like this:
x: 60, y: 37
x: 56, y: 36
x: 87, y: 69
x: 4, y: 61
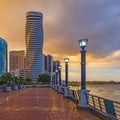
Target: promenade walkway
x: 40, y: 104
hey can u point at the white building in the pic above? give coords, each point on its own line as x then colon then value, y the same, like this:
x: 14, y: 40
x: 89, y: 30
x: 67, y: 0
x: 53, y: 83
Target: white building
x: 34, y: 44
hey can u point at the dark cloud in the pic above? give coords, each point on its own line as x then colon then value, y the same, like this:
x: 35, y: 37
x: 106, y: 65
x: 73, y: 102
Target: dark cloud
x: 99, y: 21
x: 65, y: 22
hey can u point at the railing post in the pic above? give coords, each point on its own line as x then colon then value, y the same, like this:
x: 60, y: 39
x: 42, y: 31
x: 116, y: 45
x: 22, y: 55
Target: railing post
x: 93, y: 101
x: 99, y: 103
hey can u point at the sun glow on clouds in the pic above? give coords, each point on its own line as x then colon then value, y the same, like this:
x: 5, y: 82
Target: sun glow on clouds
x: 97, y: 69
x: 108, y: 61
x: 65, y: 22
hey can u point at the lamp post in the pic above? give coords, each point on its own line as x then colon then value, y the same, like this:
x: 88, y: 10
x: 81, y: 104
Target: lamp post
x: 60, y: 82
x: 66, y: 90
x: 66, y: 71
x: 83, y: 44
x: 53, y: 80
x: 56, y: 79
x: 83, y: 102
x: 60, y: 67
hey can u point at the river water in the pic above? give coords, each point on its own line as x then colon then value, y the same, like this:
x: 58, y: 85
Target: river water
x: 111, y: 92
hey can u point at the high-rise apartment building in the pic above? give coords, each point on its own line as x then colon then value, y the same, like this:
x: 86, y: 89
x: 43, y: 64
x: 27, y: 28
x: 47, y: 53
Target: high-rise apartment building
x: 56, y: 71
x: 16, y: 60
x: 34, y: 44
x: 3, y: 57
x: 45, y: 63
x: 48, y: 64
x: 56, y: 65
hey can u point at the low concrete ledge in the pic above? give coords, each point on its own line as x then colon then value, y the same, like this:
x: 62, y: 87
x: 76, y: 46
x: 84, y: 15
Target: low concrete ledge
x: 37, y: 86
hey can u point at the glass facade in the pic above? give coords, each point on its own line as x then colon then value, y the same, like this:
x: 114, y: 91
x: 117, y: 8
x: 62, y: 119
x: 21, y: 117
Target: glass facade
x: 3, y: 57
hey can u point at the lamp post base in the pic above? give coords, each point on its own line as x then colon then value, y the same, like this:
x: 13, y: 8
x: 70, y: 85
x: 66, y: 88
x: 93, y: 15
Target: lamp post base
x: 83, y: 99
x: 59, y: 89
x: 66, y: 92
x: 52, y: 86
x: 56, y: 87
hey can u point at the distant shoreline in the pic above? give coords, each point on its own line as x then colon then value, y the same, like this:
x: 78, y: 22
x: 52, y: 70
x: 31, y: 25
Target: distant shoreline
x: 76, y: 83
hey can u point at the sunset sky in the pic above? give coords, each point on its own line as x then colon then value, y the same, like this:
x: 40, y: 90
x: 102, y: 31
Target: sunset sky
x: 65, y: 22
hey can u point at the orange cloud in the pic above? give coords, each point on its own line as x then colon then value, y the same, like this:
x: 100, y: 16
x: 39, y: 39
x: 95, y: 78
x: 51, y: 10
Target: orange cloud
x: 64, y: 24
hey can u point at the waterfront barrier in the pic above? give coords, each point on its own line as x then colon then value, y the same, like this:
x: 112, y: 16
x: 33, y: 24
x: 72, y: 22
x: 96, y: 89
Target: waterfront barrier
x: 104, y: 108
x: 74, y: 95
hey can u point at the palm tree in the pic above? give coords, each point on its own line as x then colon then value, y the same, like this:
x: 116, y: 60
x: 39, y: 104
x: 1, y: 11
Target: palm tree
x: 6, y: 77
x: 21, y: 79
x: 16, y: 80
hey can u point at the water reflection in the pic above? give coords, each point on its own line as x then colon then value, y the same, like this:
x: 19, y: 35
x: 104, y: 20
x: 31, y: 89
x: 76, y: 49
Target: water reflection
x: 7, y: 98
x: 111, y: 92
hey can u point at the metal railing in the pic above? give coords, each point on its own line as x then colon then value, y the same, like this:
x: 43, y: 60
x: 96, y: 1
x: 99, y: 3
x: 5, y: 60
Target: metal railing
x: 108, y: 107
x: 74, y: 95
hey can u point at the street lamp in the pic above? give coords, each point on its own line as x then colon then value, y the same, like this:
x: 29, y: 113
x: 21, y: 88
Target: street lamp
x: 66, y: 60
x: 83, y: 44
x: 56, y: 75
x: 60, y: 67
x: 66, y: 88
x: 60, y: 82
x: 53, y: 80
x: 83, y: 101
x: 66, y: 71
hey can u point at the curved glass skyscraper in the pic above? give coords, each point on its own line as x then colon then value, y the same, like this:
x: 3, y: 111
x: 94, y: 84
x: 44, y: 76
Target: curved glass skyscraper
x: 34, y: 44
x: 3, y: 56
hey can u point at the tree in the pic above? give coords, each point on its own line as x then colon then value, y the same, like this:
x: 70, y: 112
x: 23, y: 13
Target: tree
x: 16, y: 80
x: 27, y: 80
x: 21, y: 80
x: 44, y: 78
x: 6, y: 78
x: 1, y: 81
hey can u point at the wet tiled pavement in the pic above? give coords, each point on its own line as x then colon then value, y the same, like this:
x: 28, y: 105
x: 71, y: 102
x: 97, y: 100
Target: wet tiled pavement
x: 40, y: 104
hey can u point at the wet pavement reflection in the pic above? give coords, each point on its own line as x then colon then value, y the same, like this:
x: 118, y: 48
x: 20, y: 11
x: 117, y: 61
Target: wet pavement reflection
x: 40, y: 104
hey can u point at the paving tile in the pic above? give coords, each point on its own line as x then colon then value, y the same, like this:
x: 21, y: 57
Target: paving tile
x: 40, y: 104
